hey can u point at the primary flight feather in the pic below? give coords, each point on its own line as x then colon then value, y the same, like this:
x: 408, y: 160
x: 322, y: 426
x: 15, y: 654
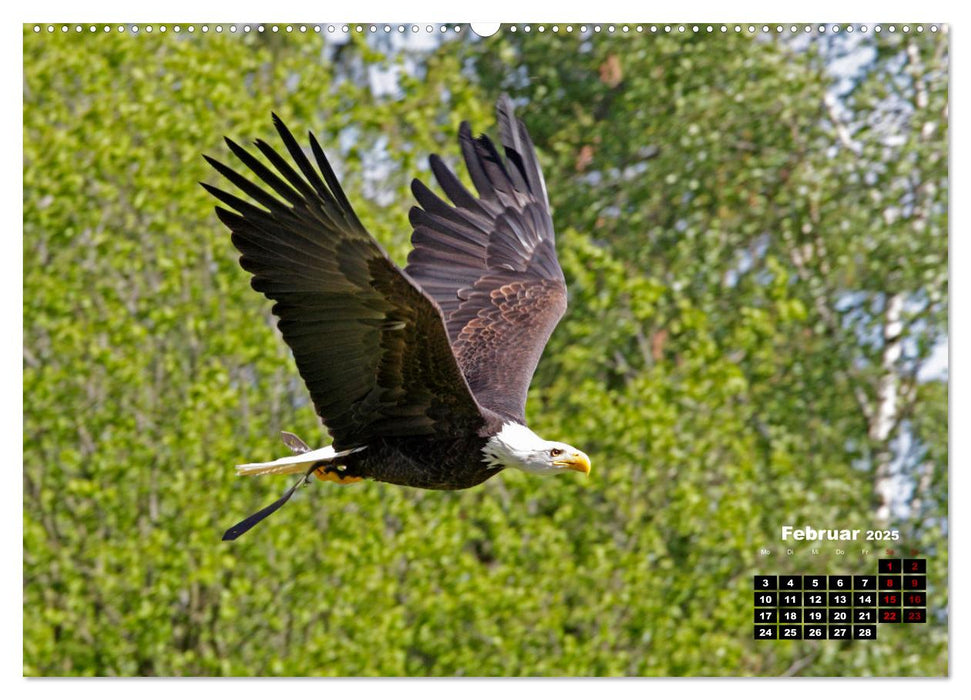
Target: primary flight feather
x: 420, y: 375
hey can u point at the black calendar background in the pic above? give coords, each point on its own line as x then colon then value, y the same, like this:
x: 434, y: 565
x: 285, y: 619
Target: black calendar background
x: 846, y: 595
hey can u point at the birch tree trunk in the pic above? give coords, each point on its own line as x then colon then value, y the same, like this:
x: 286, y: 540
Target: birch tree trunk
x: 884, y: 418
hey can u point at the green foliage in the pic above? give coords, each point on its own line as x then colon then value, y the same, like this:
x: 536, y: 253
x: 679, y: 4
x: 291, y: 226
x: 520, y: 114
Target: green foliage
x: 728, y: 258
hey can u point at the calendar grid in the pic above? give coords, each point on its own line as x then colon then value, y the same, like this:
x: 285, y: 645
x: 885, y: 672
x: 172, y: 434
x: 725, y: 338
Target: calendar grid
x: 840, y: 606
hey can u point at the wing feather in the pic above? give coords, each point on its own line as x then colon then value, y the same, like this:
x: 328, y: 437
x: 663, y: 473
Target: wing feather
x: 490, y: 262
x: 370, y: 344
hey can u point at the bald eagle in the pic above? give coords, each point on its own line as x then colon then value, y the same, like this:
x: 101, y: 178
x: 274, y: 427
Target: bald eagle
x: 419, y: 375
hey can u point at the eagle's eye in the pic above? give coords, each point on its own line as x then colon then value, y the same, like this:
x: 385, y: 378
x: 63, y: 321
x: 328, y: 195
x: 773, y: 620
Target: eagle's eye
x: 556, y: 452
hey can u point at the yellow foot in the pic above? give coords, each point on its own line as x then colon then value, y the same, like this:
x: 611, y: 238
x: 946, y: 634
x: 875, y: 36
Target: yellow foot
x: 335, y: 476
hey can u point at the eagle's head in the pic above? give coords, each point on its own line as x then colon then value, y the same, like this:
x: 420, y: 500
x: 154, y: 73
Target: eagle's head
x: 518, y: 447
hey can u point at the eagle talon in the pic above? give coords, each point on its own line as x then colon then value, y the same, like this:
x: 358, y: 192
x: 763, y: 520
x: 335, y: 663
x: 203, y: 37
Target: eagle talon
x: 335, y: 473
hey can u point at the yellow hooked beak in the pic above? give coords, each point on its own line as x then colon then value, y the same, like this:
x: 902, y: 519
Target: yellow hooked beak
x: 577, y: 461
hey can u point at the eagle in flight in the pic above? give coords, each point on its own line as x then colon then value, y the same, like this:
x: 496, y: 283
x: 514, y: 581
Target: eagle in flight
x: 420, y: 375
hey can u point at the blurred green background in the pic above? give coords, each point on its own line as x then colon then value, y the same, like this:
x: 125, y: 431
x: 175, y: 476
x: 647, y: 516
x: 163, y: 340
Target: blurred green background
x: 753, y: 228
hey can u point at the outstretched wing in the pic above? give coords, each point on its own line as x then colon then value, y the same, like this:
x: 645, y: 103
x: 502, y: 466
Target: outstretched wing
x: 370, y: 344
x: 490, y: 263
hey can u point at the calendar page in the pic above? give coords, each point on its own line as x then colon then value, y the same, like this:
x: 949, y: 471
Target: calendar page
x: 526, y: 349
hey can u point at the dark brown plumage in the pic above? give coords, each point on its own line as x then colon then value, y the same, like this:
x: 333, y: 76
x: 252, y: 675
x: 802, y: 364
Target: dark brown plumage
x: 420, y: 375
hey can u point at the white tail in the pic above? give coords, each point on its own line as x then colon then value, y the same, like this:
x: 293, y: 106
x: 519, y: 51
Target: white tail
x: 296, y: 464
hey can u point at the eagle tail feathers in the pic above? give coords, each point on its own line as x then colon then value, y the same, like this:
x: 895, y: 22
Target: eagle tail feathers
x: 296, y: 464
